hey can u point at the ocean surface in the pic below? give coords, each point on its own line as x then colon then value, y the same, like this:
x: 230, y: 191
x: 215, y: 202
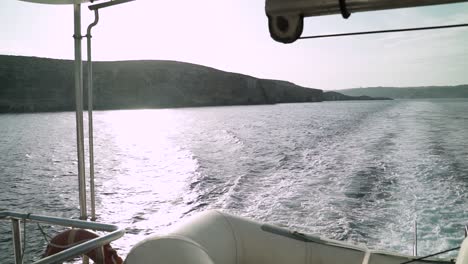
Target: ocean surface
x: 361, y: 172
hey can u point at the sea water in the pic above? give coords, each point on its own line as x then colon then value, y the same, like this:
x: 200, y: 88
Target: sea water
x: 361, y: 172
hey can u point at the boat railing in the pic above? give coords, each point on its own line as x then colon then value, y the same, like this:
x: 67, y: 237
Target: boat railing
x: 16, y: 218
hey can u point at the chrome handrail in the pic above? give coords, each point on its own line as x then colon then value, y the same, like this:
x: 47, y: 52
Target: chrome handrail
x: 80, y: 249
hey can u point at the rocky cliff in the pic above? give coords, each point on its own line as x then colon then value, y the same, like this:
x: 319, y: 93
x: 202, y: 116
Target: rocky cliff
x: 335, y: 96
x: 29, y: 84
x: 459, y: 91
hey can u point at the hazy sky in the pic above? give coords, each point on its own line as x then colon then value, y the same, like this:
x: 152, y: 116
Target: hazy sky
x: 232, y: 35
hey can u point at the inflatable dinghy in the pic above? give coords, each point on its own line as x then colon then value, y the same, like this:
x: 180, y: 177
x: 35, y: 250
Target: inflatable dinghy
x: 215, y: 237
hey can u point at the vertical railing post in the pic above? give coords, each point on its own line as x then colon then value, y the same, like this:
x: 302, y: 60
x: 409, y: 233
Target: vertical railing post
x: 415, y: 245
x: 17, y: 244
x: 79, y: 111
x: 90, y: 116
x: 79, y: 115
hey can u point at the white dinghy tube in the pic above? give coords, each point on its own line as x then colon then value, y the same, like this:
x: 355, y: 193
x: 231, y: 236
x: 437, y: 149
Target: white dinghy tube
x: 215, y: 237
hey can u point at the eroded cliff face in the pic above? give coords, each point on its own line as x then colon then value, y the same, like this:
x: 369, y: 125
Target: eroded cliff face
x: 335, y: 96
x: 32, y: 84
x: 29, y: 84
x: 421, y: 92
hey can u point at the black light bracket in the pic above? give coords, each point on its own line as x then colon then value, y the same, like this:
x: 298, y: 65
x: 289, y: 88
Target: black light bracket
x: 107, y: 4
x: 344, y: 9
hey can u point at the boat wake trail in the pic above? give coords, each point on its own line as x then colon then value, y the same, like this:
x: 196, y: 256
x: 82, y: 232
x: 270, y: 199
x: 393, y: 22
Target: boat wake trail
x: 356, y: 171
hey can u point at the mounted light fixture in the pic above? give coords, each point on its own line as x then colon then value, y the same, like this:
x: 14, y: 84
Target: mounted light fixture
x: 286, y: 17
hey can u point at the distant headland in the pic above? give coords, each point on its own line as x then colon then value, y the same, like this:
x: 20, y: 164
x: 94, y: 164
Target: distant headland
x: 335, y: 96
x: 31, y: 84
x: 422, y: 92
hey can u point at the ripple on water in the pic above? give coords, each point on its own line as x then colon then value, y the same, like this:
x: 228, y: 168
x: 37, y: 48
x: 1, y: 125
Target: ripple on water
x: 355, y: 171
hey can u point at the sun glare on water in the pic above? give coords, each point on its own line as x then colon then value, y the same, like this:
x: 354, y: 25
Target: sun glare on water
x: 149, y: 162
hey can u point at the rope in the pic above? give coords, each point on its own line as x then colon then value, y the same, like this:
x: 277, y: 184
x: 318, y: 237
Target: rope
x: 44, y: 234
x: 384, y: 31
x: 432, y: 255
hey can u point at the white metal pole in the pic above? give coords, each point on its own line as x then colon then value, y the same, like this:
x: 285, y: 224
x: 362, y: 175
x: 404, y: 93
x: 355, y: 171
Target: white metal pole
x: 90, y: 116
x: 79, y: 111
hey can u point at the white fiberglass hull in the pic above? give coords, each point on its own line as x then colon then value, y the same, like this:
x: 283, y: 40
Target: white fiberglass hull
x: 218, y: 238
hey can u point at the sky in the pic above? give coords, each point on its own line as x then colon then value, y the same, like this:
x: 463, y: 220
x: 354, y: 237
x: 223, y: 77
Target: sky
x: 232, y: 35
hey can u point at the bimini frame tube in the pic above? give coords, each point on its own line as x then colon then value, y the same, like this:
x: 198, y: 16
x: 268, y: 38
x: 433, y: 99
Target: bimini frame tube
x: 94, y: 8
x: 90, y: 117
x: 79, y: 111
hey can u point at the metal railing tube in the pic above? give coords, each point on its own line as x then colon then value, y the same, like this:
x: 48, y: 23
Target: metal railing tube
x: 415, y: 239
x: 82, y: 248
x: 115, y: 233
x: 90, y: 116
x: 17, y: 245
x: 75, y: 223
x: 79, y: 110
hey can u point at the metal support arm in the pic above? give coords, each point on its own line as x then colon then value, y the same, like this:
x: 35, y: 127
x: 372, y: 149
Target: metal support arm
x: 107, y: 4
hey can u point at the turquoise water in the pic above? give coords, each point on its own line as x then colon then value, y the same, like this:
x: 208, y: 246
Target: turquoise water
x: 361, y: 172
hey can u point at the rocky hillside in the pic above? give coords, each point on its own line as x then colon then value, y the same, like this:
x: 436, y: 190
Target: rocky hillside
x: 460, y: 91
x: 335, y: 96
x: 29, y: 84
